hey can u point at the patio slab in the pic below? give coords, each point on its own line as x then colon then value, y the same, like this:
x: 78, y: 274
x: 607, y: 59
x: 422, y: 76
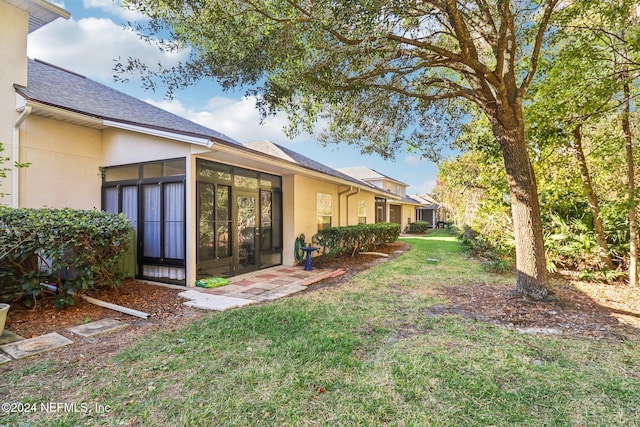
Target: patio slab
x: 218, y: 302
x: 255, y: 287
x: 98, y: 327
x: 8, y: 337
x: 32, y: 346
x: 4, y: 359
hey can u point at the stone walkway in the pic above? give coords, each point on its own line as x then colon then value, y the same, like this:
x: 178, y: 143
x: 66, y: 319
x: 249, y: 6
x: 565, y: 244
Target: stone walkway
x: 263, y: 285
x: 14, y: 346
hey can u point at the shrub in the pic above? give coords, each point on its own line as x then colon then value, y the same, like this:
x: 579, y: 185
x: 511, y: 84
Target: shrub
x: 418, y: 227
x: 74, y: 248
x: 356, y: 238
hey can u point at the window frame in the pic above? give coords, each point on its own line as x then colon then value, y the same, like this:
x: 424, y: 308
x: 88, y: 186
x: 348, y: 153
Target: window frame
x: 324, y: 210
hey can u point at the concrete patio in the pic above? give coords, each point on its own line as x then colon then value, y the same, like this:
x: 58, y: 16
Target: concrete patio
x: 263, y: 285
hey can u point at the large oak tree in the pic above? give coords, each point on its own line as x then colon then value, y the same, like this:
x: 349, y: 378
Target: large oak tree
x: 379, y: 72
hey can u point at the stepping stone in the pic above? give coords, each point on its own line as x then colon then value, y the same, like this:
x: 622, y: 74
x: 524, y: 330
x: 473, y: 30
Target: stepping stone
x: 8, y: 337
x: 190, y: 294
x: 98, y: 327
x: 24, y: 348
x: 217, y: 302
x: 4, y: 359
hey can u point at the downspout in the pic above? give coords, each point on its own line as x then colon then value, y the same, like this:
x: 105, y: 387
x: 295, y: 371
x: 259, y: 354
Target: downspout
x: 349, y: 195
x: 340, y: 193
x: 15, y: 178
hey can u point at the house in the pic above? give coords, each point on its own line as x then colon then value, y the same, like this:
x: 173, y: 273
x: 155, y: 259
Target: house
x: 393, y: 204
x: 201, y: 203
x: 430, y: 210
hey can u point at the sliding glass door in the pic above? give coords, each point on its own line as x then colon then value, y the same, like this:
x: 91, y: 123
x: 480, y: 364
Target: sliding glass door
x: 239, y: 220
x: 248, y: 242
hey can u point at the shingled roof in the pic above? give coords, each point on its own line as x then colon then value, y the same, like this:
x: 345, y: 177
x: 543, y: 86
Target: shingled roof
x: 272, y: 149
x: 53, y: 86
x: 366, y: 173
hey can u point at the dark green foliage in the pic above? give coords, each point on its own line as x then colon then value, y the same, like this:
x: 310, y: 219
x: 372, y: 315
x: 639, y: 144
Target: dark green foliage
x: 496, y: 256
x: 73, y: 248
x: 356, y: 238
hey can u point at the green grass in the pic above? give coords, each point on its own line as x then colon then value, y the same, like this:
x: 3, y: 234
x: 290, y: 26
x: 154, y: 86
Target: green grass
x: 362, y: 353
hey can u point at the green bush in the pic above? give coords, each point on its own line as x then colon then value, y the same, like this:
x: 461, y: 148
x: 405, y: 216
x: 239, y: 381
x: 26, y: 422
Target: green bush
x: 356, y: 238
x: 418, y: 227
x: 76, y: 249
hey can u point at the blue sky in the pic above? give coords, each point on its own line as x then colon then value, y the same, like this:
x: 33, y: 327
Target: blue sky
x: 93, y: 39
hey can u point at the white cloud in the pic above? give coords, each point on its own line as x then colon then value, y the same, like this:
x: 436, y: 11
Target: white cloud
x: 414, y: 160
x: 237, y: 118
x: 423, y: 187
x: 114, y: 8
x: 90, y: 46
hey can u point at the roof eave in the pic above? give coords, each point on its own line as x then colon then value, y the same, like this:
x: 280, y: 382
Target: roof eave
x: 64, y: 114
x: 40, y: 12
x: 202, y: 141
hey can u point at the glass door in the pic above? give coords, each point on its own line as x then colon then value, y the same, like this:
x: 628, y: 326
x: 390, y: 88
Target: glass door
x: 213, y: 210
x: 247, y: 251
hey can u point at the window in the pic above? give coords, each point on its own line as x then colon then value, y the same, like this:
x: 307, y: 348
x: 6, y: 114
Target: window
x: 399, y: 190
x: 325, y: 210
x: 381, y: 210
x: 152, y: 196
x: 214, y: 221
x: 362, y: 212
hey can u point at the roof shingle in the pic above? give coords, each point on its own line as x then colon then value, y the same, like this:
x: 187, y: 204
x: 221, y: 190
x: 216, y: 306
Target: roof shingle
x: 56, y: 87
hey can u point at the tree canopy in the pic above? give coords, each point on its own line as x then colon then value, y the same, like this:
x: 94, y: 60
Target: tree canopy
x: 380, y: 73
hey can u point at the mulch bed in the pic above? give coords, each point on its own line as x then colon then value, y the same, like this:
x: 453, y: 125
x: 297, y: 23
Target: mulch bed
x: 28, y: 318
x: 577, y: 309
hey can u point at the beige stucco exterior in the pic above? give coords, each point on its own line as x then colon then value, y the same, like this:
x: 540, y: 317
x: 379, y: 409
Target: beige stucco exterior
x: 67, y: 151
x: 64, y: 168
x: 13, y: 70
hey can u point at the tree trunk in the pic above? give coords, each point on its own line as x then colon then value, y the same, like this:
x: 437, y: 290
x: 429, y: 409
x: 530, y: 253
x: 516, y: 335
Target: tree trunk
x: 592, y: 199
x: 631, y: 187
x: 531, y: 279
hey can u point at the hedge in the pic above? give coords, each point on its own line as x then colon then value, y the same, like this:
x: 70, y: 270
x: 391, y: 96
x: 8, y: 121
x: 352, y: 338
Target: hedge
x: 76, y: 249
x: 356, y: 238
x: 418, y: 227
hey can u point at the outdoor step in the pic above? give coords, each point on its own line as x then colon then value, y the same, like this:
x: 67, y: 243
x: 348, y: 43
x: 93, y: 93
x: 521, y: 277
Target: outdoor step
x: 32, y: 346
x: 98, y: 327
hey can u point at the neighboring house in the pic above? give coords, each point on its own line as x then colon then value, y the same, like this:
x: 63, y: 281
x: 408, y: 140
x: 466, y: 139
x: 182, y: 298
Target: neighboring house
x: 430, y: 210
x: 393, y: 205
x: 201, y: 203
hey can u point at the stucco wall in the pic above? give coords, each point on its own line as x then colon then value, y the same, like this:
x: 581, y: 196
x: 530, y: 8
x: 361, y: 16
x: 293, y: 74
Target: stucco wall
x: 408, y: 215
x: 345, y: 212
x: 65, y: 161
x: 13, y: 70
x: 123, y: 147
x: 350, y: 207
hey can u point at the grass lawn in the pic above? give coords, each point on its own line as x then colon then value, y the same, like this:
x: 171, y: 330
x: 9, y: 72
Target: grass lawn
x: 367, y: 352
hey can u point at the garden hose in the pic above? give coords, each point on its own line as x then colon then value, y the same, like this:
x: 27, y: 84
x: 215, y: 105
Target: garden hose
x: 299, y: 254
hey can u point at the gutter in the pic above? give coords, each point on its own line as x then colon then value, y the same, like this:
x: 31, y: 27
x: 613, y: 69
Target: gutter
x: 340, y: 193
x: 349, y: 195
x: 15, y: 156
